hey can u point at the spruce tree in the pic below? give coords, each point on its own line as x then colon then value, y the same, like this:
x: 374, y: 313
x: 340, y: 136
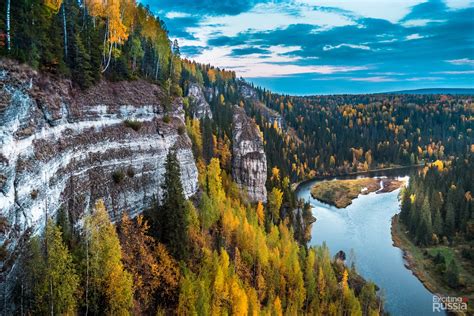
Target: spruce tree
x: 452, y: 274
x: 172, y: 214
x: 425, y: 229
x: 81, y: 67
x: 450, y: 220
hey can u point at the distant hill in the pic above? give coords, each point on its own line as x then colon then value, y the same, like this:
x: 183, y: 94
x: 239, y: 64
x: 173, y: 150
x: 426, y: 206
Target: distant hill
x: 462, y: 91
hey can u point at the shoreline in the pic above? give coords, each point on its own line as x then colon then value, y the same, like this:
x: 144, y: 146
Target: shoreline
x: 410, y: 263
x: 417, y: 268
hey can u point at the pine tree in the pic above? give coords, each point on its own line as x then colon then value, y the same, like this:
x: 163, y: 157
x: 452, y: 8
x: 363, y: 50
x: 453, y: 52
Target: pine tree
x: 172, y: 214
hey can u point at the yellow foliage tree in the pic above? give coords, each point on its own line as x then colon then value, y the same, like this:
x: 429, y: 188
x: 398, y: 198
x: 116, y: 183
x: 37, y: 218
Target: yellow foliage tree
x: 238, y: 298
x: 214, y: 181
x: 260, y: 213
x: 438, y: 164
x: 275, y: 174
x: 54, y: 5
x: 275, y: 199
x: 277, y: 309
x: 344, y: 284
x: 107, y: 274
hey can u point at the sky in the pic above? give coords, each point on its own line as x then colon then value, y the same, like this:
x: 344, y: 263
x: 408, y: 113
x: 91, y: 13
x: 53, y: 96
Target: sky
x: 308, y: 47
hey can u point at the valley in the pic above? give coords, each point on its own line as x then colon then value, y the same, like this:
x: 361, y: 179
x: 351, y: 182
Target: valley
x: 139, y: 176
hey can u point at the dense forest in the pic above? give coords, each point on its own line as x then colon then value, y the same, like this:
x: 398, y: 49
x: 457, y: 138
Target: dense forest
x: 216, y: 257
x: 347, y: 133
x: 217, y: 253
x: 438, y: 213
x: 213, y: 254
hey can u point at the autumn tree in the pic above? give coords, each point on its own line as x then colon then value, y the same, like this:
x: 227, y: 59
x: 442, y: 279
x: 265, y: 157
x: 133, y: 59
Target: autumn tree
x: 275, y: 200
x: 155, y: 273
x: 109, y: 288
x: 260, y: 213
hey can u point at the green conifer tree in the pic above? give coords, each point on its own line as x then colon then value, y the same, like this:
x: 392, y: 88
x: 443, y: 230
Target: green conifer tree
x: 172, y: 214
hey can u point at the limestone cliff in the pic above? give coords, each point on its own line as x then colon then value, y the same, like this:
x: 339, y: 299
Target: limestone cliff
x: 65, y: 148
x: 199, y: 106
x: 249, y: 163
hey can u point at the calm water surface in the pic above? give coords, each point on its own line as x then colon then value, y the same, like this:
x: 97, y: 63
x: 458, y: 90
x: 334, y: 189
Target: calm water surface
x: 363, y: 228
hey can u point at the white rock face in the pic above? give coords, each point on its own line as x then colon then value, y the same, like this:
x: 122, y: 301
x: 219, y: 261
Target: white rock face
x: 249, y: 163
x: 64, y: 148
x: 199, y: 106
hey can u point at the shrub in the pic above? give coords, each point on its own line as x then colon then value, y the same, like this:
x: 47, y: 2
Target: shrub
x: 130, y: 172
x: 34, y: 194
x: 118, y: 176
x: 181, y: 130
x: 133, y: 124
x: 166, y: 119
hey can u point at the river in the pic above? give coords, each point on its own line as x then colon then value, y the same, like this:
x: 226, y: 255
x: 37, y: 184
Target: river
x: 362, y: 231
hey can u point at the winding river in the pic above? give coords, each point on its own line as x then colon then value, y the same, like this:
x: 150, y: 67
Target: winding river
x: 362, y: 231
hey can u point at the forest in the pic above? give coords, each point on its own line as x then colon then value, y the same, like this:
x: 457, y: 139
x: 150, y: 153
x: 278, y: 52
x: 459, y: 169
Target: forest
x: 216, y: 253
x: 213, y: 254
x: 342, y: 134
x: 438, y: 213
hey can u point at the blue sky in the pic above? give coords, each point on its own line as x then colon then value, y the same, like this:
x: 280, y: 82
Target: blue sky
x: 329, y: 46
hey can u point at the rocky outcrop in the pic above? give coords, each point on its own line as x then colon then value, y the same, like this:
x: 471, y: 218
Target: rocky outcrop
x: 249, y: 163
x: 66, y: 148
x: 199, y: 106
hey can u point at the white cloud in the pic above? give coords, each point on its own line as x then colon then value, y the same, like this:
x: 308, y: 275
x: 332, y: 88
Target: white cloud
x: 265, y: 17
x: 422, y: 79
x: 174, y: 15
x: 387, y: 73
x: 374, y: 79
x: 392, y: 10
x: 456, y: 72
x: 462, y: 61
x: 329, y: 47
x: 275, y: 70
x: 276, y: 64
x: 420, y: 22
x: 412, y: 37
x: 270, y: 16
x: 458, y: 4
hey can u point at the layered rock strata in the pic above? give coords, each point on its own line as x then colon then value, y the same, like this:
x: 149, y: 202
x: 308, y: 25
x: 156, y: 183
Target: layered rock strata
x: 61, y: 147
x: 249, y: 162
